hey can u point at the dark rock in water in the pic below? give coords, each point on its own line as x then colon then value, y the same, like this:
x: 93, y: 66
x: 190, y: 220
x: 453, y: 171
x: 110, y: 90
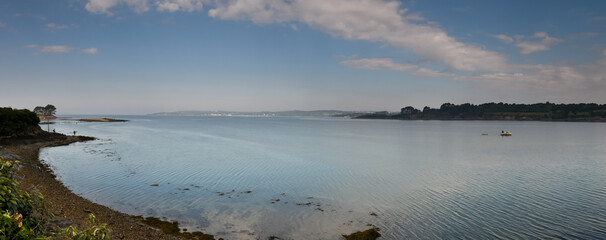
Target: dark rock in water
x: 165, y: 226
x: 198, y: 235
x: 155, y: 185
x: 370, y: 234
x: 173, y: 228
x: 373, y: 214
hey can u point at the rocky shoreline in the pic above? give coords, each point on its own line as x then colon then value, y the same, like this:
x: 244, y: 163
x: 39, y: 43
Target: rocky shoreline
x: 69, y: 208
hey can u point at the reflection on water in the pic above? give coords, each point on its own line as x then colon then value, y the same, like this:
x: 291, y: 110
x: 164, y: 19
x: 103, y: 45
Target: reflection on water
x: 249, y: 178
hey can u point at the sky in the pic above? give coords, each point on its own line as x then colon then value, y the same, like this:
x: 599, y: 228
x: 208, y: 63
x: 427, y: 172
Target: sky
x: 146, y: 56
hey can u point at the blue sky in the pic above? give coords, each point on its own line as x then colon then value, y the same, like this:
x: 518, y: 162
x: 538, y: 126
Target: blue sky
x: 144, y: 56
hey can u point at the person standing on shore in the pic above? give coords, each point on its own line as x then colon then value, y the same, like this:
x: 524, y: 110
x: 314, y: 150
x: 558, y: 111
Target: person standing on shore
x: 74, y: 132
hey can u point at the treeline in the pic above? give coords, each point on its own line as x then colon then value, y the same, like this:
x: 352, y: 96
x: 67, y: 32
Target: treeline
x: 17, y: 122
x: 503, y: 111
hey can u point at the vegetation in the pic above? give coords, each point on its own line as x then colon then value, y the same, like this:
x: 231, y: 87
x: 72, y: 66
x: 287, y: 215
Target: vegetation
x: 17, y: 122
x: 23, y: 215
x: 504, y: 111
x: 90, y: 232
x: 49, y: 110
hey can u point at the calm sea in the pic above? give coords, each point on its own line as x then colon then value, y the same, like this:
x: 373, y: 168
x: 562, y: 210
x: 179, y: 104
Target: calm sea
x: 319, y: 178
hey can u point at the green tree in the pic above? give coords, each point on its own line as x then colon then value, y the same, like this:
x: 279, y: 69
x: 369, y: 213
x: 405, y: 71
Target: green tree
x: 39, y: 110
x: 49, y: 110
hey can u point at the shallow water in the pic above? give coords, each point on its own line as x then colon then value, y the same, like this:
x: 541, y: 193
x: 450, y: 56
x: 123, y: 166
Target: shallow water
x: 422, y: 179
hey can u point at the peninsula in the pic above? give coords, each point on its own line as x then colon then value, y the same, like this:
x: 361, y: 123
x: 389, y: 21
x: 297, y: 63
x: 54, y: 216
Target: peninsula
x: 578, y: 112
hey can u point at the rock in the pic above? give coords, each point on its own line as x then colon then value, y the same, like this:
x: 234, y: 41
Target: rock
x: 63, y: 223
x: 369, y: 234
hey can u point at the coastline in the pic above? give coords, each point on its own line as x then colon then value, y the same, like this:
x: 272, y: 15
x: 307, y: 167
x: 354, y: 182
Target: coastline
x: 68, y: 207
x: 101, y: 120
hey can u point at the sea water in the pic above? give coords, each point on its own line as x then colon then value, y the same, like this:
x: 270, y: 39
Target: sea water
x: 319, y: 178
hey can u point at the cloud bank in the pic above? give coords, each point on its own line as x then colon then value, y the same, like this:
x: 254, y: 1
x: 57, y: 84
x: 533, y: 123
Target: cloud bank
x: 375, y: 21
x: 389, y: 23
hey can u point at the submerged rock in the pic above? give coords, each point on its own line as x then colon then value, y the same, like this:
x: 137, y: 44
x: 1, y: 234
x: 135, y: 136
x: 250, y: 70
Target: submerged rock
x: 370, y: 234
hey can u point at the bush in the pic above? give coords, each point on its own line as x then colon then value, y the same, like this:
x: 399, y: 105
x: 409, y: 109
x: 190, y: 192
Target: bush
x: 18, y: 207
x: 90, y: 232
x: 11, y: 227
x: 23, y: 216
x: 14, y: 121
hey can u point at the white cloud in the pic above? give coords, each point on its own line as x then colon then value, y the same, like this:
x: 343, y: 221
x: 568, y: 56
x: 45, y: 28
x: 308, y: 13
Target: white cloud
x: 176, y: 5
x: 426, y: 72
x: 378, y: 64
x: 61, y: 49
x: 377, y: 21
x: 55, y: 49
x: 545, y: 44
x: 141, y: 6
x: 92, y: 51
x: 540, y: 35
x: 2, y: 25
x: 504, y: 38
x: 55, y: 26
x: 562, y: 78
x: 101, y: 6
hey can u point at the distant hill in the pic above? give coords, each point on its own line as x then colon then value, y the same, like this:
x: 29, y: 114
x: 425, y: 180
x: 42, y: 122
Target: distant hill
x: 581, y: 112
x: 294, y: 113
